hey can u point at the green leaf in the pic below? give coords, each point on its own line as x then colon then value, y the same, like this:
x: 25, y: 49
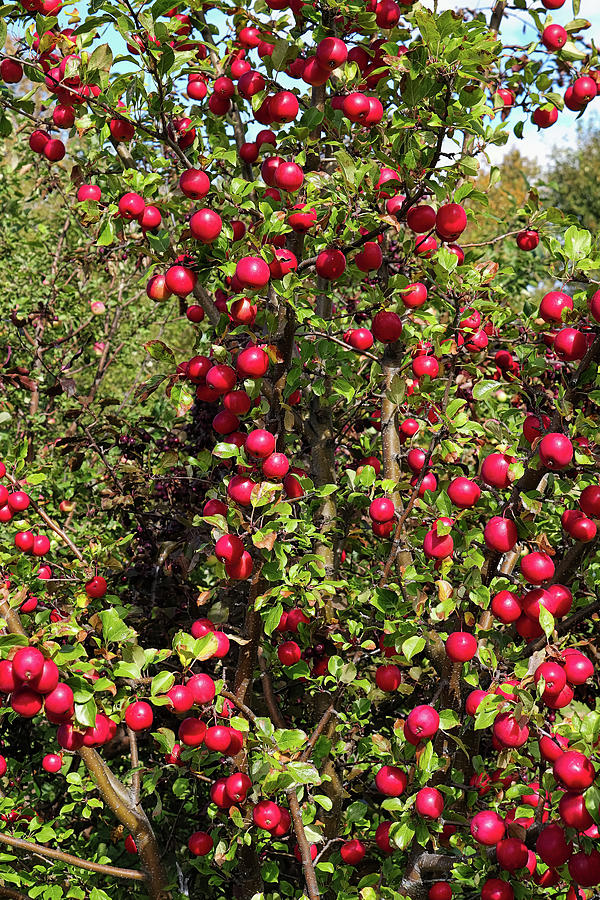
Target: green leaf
x: 161, y: 683
x: 183, y: 396
x: 578, y: 243
x: 413, y: 645
x: 85, y: 713
x: 546, y: 621
x: 114, y: 629
x: 159, y: 350
x: 273, y: 618
x: 483, y: 389
x: 592, y: 802
x: 303, y: 773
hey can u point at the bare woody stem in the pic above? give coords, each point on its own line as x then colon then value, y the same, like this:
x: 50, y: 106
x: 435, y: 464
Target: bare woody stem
x: 69, y: 859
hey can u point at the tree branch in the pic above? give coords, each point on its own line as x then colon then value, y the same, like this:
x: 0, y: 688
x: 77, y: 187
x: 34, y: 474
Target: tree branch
x: 70, y: 860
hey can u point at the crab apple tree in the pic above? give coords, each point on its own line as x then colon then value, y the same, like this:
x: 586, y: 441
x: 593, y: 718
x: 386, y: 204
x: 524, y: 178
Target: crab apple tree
x: 299, y: 491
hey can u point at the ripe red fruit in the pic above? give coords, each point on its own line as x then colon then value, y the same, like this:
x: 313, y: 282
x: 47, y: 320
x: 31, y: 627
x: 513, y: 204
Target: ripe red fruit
x: 436, y: 546
x: 382, y: 837
x: 509, y: 732
x: 352, y: 852
x: 537, y: 567
x: 139, y: 715
x: 200, y: 843
x: 461, y: 646
x: 386, y: 326
x: 553, y: 304
x: 28, y: 663
x: 578, y: 526
x: 25, y: 701
x: 500, y: 534
x: 590, y: 501
x: 202, y: 688
x: 237, y: 786
x: 573, y: 811
x: 331, y: 52
x: 284, y: 107
x: 221, y: 378
x: 11, y: 71
x: 495, y: 470
x: 506, y: 607
x: 180, y: 280
x: 584, y: 869
x: 545, y: 116
x: 574, y: 771
x: 382, y: 509
x: 487, y: 827
x: 96, y: 587
x: 554, y: 37
x: 191, y: 732
x: 181, y: 698
x: 421, y: 723
x: 229, y: 548
x: 289, y: 653
x: 473, y: 701
x: 578, y: 668
x: 59, y: 701
x: 511, y: 854
x: 47, y: 680
x: 252, y: 272
x: 555, y: 450
x: 528, y: 240
x: 429, y: 803
x: 131, y: 206
x: 356, y: 107
x: 496, y: 889
x: 267, y: 815
x: 414, y: 295
x: 18, y: 501
x: 421, y: 218
x: 217, y: 738
x: 450, y: 221
x: 370, y: 257
x: 388, y: 678
x: 260, y: 443
x: 554, y: 676
x: 289, y: 177
x: 301, y: 222
x: 391, y: 781
x: 194, y: 183
x: 441, y: 890
x: 463, y: 492
x: 330, y: 264
x: 88, y: 192
x: 68, y: 738
x: 570, y: 344
x: 52, y: 763
x: 54, y: 150
x: 24, y: 541
x: 206, y: 225
x: 552, y: 846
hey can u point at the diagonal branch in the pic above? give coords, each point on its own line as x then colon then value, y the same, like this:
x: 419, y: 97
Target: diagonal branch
x: 69, y: 859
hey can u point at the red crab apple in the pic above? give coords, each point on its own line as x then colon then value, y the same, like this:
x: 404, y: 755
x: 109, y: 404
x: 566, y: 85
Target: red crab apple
x: 495, y: 470
x: 352, y: 852
x: 506, y: 607
x: 96, y: 587
x: 574, y: 771
x: 28, y: 663
x: 552, y: 846
x: 500, y: 534
x: 429, y: 803
x: 391, y: 781
x: 202, y: 688
x: 511, y: 854
x: 554, y: 37
x: 200, y: 843
x: 463, y: 492
x: 589, y: 501
x: 537, y: 567
x: 421, y: 723
x: 388, y: 678
x: 496, y: 889
x: 139, y: 715
x: 289, y: 653
x: 461, y: 646
x: 509, y: 732
x: 555, y: 450
x: 52, y: 763
x: 553, y: 304
x: 578, y: 668
x: 528, y: 240
x: 573, y: 811
x: 473, y: 700
x: 382, y: 837
x: 266, y: 814
x: 487, y: 827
